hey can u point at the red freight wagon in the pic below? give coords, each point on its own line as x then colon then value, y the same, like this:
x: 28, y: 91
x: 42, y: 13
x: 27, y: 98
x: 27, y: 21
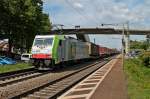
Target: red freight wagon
x: 102, y: 51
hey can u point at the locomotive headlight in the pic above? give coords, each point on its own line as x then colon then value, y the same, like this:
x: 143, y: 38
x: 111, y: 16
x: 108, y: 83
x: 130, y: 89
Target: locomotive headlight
x: 47, y: 62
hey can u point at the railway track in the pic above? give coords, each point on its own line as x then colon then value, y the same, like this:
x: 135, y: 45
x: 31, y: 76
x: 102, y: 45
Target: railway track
x: 18, y: 72
x: 53, y: 89
x: 14, y: 77
x: 18, y: 76
x: 34, y: 86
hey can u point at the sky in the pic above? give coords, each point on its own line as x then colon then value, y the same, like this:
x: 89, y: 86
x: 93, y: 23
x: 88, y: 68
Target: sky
x: 93, y: 13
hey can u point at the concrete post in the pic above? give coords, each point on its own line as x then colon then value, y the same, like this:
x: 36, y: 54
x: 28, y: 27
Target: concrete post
x: 127, y: 42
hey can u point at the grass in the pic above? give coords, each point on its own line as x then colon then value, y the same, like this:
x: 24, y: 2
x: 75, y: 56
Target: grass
x: 138, y: 77
x: 18, y: 66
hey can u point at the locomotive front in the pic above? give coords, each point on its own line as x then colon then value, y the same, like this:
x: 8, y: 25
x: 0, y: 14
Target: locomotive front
x: 42, y: 52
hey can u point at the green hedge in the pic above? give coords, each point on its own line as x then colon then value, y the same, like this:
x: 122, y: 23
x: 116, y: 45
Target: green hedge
x: 145, y: 57
x: 138, y: 79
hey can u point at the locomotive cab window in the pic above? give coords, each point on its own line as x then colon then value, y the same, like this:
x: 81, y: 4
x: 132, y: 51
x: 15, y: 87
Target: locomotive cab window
x: 43, y: 41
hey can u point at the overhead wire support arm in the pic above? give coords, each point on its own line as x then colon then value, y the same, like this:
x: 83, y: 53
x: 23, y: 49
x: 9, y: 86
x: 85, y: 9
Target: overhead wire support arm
x: 58, y: 27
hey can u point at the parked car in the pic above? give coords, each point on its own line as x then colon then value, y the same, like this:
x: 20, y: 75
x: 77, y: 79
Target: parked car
x: 25, y: 57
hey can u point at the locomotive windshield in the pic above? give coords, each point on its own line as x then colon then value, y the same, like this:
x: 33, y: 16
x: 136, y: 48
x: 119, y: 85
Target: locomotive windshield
x: 43, y: 41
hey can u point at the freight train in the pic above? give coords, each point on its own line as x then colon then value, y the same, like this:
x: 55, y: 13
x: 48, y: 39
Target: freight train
x: 50, y: 50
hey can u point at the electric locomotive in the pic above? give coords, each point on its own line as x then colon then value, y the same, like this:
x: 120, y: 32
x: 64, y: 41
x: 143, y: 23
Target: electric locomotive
x: 49, y: 50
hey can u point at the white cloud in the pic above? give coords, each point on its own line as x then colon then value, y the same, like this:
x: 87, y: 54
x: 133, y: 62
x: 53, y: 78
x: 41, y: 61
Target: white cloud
x: 92, y: 13
x: 95, y: 12
x: 78, y: 5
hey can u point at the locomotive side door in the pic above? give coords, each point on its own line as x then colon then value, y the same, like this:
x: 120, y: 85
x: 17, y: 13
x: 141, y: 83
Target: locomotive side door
x: 61, y: 50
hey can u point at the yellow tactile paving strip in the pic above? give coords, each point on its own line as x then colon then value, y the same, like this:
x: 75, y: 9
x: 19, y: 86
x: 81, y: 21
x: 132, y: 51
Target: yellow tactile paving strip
x: 86, y: 88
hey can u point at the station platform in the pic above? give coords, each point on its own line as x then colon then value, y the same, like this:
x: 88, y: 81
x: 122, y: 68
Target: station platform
x: 106, y: 83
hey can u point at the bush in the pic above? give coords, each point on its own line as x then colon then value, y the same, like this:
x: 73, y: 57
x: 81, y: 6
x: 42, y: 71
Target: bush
x: 146, y: 58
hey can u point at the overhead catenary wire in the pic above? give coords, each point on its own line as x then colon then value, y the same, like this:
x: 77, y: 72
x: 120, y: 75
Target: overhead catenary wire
x: 95, y: 6
x: 80, y: 13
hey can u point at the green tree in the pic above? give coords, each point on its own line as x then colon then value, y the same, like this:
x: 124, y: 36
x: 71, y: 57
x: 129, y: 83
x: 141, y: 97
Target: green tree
x: 21, y: 20
x: 139, y: 45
